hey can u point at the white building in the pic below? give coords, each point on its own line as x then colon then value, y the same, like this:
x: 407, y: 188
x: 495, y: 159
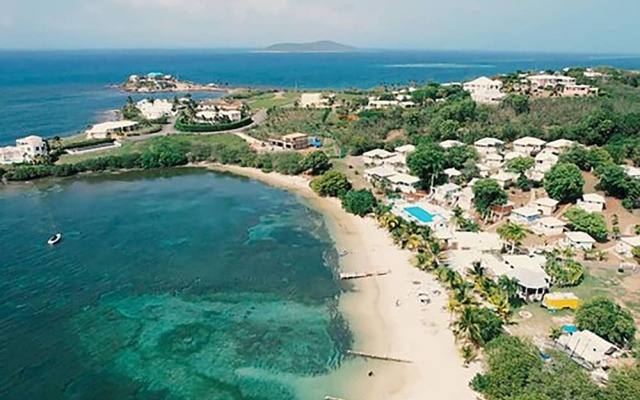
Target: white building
x: 313, y: 100
x: 546, y: 205
x: 632, y: 172
x: 26, y: 150
x: 376, y: 157
x: 105, y: 129
x: 398, y: 162
x: 579, y: 240
x: 626, y: 244
x: 505, y: 179
x: 494, y: 160
x: 231, y: 115
x: 588, y: 347
x: 447, y: 144
x: 488, y: 145
x: 405, y: 150
x: 533, y: 281
x: 592, y: 202
x: 560, y: 145
x: 541, y: 81
x: 528, y: 145
x: 484, y: 90
x: 376, y: 103
x: 452, y: 173
x: 524, y: 215
x: 545, y: 160
x: 465, y: 199
x: 379, y: 173
x: 446, y: 193
x: 155, y: 109
x: 403, y: 183
x: 549, y: 226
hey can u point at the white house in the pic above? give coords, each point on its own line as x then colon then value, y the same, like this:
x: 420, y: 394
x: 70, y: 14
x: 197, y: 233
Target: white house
x: 632, y: 172
x: 528, y: 145
x: 559, y: 146
x: 445, y: 193
x: 379, y: 173
x: 26, y: 150
x: 484, y: 170
x: 580, y: 240
x: 405, y: 150
x: 549, y: 226
x: 505, y: 179
x: 538, y: 81
x: 592, y: 202
x: 589, y: 347
x: 626, y: 244
x: 376, y: 157
x: 403, y: 183
x: 533, y: 282
x: 313, y: 100
x: 376, y: 103
x: 105, y: 129
x: 484, y: 90
x: 447, y: 144
x: 493, y: 160
x: 398, y: 162
x: 546, y: 205
x: 155, y: 109
x: 488, y: 145
x: 452, y: 173
x: 545, y: 160
x: 511, y: 155
x: 465, y: 199
x: 524, y: 215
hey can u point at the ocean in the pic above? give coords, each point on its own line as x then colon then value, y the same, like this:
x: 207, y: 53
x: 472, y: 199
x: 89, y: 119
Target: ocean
x: 180, y: 284
x: 61, y: 92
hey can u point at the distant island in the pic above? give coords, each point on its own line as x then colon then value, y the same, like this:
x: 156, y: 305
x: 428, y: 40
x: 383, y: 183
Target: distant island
x: 323, y: 46
x: 158, y: 82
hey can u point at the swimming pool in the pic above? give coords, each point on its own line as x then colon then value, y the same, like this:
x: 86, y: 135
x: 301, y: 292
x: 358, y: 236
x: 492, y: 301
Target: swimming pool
x: 420, y: 214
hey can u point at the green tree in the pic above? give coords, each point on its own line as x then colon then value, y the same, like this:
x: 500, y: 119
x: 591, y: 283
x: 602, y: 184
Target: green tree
x: 513, y: 233
x: 520, y: 165
x: 428, y: 163
x: 477, y: 325
x: 523, y: 183
x: 359, y: 202
x: 584, y: 221
x: 608, y: 320
x: 488, y: 193
x: 518, y: 103
x: 624, y: 384
x: 564, y: 183
x: 316, y: 162
x: 331, y: 184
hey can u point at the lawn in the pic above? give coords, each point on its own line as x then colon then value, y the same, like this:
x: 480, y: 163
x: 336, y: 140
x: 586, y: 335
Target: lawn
x: 269, y: 100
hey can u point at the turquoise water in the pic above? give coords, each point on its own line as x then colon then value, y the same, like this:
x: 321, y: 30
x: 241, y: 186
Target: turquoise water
x: 167, y: 285
x: 61, y: 92
x: 420, y: 214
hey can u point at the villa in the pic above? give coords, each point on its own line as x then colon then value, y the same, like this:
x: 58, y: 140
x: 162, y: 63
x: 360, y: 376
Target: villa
x: 572, y: 90
x: 484, y: 170
x: 626, y: 244
x: 445, y: 193
x: 524, y: 215
x: 403, y: 183
x: 587, y: 347
x: 292, y: 141
x: 488, y: 145
x: 546, y: 205
x: 447, y: 144
x: 425, y: 213
x: 592, y: 202
x: 26, y: 150
x: 533, y: 281
x: 398, y: 162
x: 484, y: 90
x: 465, y: 199
x: 494, y: 160
x: 219, y: 116
x: 376, y: 157
x: 313, y: 100
x: 545, y: 160
x: 106, y: 129
x: 528, y: 145
x: 579, y: 240
x: 542, y: 81
x: 505, y: 179
x: 549, y: 226
x: 379, y: 173
x: 155, y: 109
x: 559, y: 146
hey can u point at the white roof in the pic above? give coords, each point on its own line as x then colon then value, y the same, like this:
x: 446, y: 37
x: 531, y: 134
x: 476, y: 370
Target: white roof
x: 450, y: 143
x: 483, y: 80
x: 378, y: 153
x: 403, y: 178
x: 452, y: 172
x: 407, y: 148
x: 382, y: 171
x: 528, y: 270
x: 580, y: 237
x: 483, y: 167
x: 513, y: 155
x: 560, y: 143
x: 488, y: 142
x: 111, y: 125
x: 588, y: 346
x: 494, y: 156
x: 551, y: 222
x: 632, y: 241
x: 447, y: 187
x: 396, y: 159
x: 483, y: 241
x: 32, y: 140
x: 593, y: 198
x: 526, y: 211
x: 546, y: 155
x: 504, y: 176
x: 529, y: 141
x: 546, y: 202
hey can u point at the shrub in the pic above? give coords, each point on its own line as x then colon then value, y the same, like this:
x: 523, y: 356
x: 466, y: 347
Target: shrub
x: 608, y: 320
x: 359, y: 202
x: 584, y: 221
x: 331, y: 183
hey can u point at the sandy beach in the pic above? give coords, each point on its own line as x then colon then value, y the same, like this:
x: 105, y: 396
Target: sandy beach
x: 384, y: 312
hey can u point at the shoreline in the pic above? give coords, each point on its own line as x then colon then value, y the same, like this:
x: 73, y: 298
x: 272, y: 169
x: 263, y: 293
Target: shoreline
x: 384, y: 312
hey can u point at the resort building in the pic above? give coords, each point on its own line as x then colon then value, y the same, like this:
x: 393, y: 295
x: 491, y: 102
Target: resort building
x: 524, y: 215
x: 493, y: 160
x: 573, y: 90
x: 533, y: 281
x: 632, y: 172
x: 488, y: 145
x: 155, y: 108
x: 484, y: 170
x: 528, y: 145
x: 589, y: 349
x: 313, y: 100
x: 579, y: 240
x: 425, y: 213
x: 542, y: 81
x: 376, y: 157
x: 447, y: 144
x: 26, y: 150
x: 546, y: 205
x: 626, y: 244
x: 549, y: 226
x: 559, y: 146
x: 505, y: 179
x: 403, y: 183
x: 398, y: 162
x: 484, y: 90
x: 378, y: 174
x: 405, y: 150
x: 545, y: 160
x: 560, y: 301
x: 106, y: 129
x: 293, y: 141
x: 511, y: 155
x: 592, y: 202
x: 465, y: 199
x: 446, y: 193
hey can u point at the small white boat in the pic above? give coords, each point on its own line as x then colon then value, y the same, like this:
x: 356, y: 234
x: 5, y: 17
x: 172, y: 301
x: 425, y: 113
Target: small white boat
x: 53, y: 240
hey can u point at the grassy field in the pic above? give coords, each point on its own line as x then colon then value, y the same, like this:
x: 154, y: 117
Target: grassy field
x: 269, y: 100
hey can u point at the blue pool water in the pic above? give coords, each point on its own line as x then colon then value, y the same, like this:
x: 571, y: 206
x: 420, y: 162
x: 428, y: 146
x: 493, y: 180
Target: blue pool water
x: 420, y: 214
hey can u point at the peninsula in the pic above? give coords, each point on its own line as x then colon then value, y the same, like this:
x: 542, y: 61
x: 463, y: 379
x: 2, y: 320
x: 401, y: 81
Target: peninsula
x: 323, y: 46
x: 158, y: 82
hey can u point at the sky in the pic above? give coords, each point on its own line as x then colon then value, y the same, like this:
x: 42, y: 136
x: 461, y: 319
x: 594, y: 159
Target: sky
x: 592, y: 26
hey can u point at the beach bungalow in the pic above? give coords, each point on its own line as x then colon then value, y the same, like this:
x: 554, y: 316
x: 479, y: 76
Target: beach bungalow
x: 494, y: 160
x: 445, y: 193
x: 592, y: 202
x: 579, y: 240
x: 292, y: 141
x: 505, y: 179
x: 488, y: 145
x: 106, y: 129
x: 546, y: 205
x: 447, y: 144
x: 560, y: 301
x: 524, y: 215
x: 626, y: 244
x: 549, y: 226
x: 590, y: 349
x: 376, y: 157
x: 403, y: 183
x: 405, y: 150
x: 378, y: 174
x: 545, y: 160
x: 559, y: 146
x: 533, y: 281
x: 528, y: 145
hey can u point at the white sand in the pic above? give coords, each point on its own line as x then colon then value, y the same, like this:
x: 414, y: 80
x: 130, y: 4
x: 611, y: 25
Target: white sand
x: 419, y: 333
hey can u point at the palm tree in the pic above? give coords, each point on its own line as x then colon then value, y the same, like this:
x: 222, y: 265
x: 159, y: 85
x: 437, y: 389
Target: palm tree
x: 458, y: 217
x: 415, y: 242
x: 425, y: 261
x: 467, y: 326
x: 513, y: 233
x: 469, y: 354
x: 389, y: 221
x: 499, y: 299
x: 510, y: 286
x: 476, y: 271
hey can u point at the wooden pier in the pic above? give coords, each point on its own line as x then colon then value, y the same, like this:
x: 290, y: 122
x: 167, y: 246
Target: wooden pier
x: 358, y: 275
x: 377, y: 357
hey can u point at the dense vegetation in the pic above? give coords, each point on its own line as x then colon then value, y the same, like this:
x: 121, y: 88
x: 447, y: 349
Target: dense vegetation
x: 608, y: 320
x: 184, y: 126
x: 564, y: 183
x: 591, y: 223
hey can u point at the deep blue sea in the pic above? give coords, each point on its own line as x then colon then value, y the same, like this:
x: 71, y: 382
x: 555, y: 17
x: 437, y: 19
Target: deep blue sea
x: 61, y: 92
